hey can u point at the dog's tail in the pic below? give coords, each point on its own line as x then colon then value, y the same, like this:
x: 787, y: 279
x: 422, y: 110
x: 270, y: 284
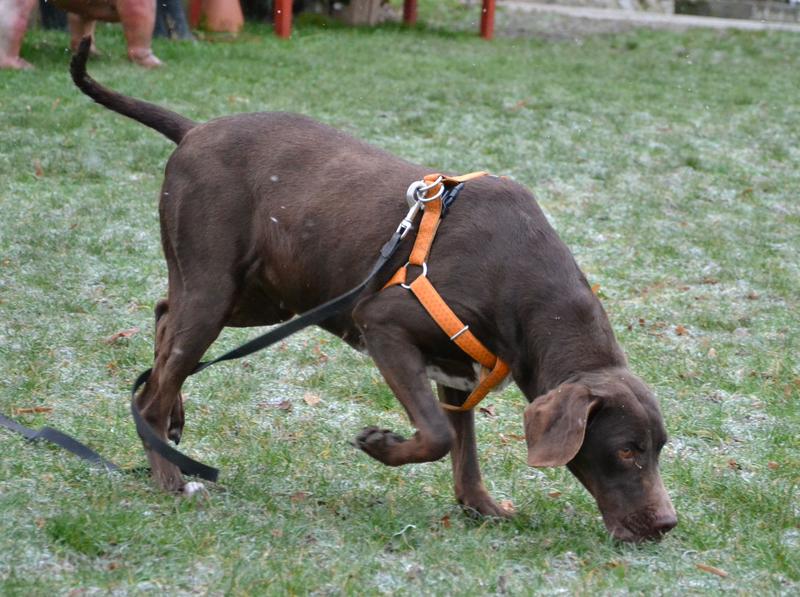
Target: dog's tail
x: 168, y: 123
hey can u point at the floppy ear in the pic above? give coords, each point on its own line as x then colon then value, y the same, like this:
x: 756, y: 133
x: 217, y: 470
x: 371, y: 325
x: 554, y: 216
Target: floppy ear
x: 556, y: 423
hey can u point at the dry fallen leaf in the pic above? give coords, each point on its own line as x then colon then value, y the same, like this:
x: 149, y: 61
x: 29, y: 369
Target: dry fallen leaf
x: 300, y: 496
x: 681, y: 330
x: 554, y: 494
x: 120, y: 335
x: 488, y: 410
x: 32, y: 409
x: 507, y: 505
x: 37, y: 169
x: 311, y: 399
x: 733, y: 465
x: 712, y: 354
x: 445, y: 521
x: 595, y: 288
x: 772, y: 465
x: 712, y: 569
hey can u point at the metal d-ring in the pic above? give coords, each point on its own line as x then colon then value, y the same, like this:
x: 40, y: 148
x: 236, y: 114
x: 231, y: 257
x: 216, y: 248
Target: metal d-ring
x: 417, y: 189
x: 423, y: 274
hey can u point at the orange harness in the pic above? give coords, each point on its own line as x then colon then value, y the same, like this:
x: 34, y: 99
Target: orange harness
x: 493, y: 370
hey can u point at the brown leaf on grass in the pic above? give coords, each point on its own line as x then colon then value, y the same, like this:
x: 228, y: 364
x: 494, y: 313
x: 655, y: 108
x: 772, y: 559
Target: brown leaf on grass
x: 507, y: 505
x: 29, y: 410
x: 277, y: 533
x: 282, y: 405
x: 772, y: 465
x: 124, y: 334
x: 322, y: 358
x: 733, y: 465
x: 505, y: 439
x: 445, y: 521
x: 488, y: 410
x: 712, y: 569
x: 752, y: 295
x: 37, y: 169
x: 300, y: 496
x: 311, y: 399
x: 554, y: 494
x: 681, y: 330
x: 595, y: 288
x: 712, y: 354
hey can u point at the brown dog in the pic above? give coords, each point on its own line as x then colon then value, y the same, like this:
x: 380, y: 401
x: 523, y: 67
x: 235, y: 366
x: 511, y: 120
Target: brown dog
x: 267, y: 215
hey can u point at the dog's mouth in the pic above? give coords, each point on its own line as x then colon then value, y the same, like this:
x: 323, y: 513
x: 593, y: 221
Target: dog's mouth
x: 646, y: 524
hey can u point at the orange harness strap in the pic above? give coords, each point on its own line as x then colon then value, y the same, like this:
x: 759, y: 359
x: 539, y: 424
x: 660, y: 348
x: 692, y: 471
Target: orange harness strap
x: 493, y: 369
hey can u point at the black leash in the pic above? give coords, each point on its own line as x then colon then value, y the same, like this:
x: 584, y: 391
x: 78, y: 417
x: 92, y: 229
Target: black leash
x: 60, y: 439
x: 188, y: 465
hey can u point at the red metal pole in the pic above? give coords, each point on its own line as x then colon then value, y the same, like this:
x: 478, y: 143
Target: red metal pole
x: 195, y: 12
x: 487, y: 19
x: 410, y: 12
x: 282, y: 16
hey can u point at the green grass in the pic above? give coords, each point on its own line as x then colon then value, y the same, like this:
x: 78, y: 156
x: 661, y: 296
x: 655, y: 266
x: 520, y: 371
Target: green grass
x: 668, y: 162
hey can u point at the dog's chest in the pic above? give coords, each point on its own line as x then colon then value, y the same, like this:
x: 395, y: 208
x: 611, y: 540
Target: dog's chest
x: 460, y: 382
x: 457, y: 381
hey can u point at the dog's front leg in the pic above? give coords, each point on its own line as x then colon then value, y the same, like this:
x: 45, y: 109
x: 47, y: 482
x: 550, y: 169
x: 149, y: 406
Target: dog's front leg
x: 469, y: 488
x: 394, y: 351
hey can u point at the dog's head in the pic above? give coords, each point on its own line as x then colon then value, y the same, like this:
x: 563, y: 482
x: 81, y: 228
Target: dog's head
x: 607, y: 428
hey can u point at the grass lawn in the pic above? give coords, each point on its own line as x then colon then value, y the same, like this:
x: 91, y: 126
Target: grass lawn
x: 668, y: 162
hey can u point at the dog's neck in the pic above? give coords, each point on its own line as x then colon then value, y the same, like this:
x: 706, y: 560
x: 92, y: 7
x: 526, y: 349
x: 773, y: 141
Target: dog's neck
x: 565, y: 339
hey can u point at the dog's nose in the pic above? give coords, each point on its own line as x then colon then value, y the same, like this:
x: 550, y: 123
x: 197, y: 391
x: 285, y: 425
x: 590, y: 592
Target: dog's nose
x: 664, y: 524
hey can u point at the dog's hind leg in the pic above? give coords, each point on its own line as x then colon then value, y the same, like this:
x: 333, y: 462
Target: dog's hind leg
x: 192, y: 321
x: 469, y: 488
x: 176, y: 417
x: 402, y: 364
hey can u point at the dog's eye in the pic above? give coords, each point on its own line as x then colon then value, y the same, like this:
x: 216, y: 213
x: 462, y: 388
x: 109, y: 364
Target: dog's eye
x: 625, y: 454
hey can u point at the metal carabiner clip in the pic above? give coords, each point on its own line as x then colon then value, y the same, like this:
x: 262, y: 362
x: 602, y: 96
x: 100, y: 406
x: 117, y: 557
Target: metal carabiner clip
x: 408, y: 221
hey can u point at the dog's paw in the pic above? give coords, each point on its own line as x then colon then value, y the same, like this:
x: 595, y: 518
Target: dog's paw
x: 485, y: 506
x: 378, y: 443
